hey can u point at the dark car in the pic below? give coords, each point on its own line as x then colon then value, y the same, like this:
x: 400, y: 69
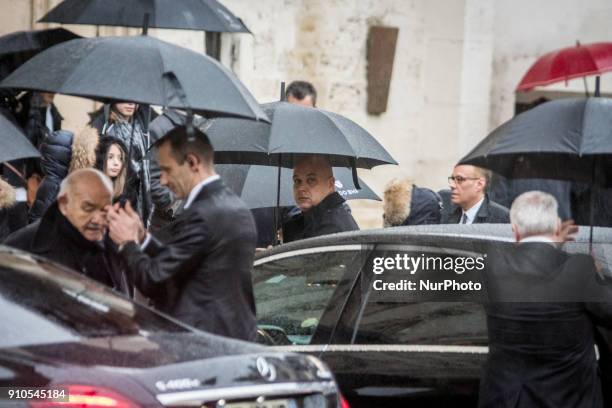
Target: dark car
x: 314, y: 296
x: 63, y: 331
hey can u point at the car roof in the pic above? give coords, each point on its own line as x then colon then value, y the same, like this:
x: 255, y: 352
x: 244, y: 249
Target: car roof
x: 489, y: 232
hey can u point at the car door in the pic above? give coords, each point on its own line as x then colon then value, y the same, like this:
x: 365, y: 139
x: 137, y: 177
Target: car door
x: 406, y: 351
x: 299, y: 294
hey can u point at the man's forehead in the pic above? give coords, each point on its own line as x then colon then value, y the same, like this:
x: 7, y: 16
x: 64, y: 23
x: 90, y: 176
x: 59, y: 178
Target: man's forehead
x: 92, y: 191
x: 464, y: 169
x: 306, y: 174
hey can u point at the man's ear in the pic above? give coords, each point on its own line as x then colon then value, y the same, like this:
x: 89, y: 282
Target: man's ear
x: 62, y: 204
x: 515, y: 232
x: 558, y: 227
x: 482, y: 184
x: 332, y: 183
x: 193, y: 161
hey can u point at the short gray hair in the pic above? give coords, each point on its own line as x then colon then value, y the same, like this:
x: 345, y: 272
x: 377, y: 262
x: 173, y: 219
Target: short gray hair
x: 68, y: 183
x: 534, y: 212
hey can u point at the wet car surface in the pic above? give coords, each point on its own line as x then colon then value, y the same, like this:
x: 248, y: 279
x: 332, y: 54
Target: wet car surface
x: 62, y: 329
x: 310, y: 299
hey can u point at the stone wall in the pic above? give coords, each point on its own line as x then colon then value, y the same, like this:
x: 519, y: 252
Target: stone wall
x: 456, y: 65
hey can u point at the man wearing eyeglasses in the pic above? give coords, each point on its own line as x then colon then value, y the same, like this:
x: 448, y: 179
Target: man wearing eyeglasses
x: 468, y: 186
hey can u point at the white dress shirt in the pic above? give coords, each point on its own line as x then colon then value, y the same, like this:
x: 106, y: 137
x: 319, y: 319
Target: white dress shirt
x: 471, y: 213
x: 196, y: 190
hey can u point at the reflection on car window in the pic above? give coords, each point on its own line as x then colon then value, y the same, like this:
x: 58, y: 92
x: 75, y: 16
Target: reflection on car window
x: 71, y: 305
x: 407, y: 316
x: 291, y: 293
x: 430, y: 323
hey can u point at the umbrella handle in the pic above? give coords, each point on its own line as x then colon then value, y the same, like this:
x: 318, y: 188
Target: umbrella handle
x: 277, y: 220
x: 354, y: 171
x: 145, y: 24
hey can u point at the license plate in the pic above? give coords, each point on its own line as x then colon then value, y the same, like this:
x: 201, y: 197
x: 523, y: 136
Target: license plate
x: 277, y: 403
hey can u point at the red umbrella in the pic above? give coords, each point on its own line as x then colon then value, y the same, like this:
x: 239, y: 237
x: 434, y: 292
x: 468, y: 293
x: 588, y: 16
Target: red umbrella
x: 568, y: 63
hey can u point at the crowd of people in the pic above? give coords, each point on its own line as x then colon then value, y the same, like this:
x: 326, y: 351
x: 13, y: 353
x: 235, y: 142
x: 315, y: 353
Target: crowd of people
x: 165, y: 228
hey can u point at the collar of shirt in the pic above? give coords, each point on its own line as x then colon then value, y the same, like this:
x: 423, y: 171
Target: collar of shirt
x: 49, y: 119
x: 471, y: 213
x: 196, y: 190
x: 538, y: 238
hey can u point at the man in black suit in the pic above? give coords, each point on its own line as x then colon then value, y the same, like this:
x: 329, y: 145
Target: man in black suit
x: 468, y: 186
x: 544, y: 307
x: 198, y: 269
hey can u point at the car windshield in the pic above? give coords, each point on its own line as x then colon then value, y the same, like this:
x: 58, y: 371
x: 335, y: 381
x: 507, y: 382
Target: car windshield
x: 43, y: 303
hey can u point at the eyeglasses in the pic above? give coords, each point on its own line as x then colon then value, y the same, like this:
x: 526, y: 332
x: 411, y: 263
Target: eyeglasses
x: 460, y: 179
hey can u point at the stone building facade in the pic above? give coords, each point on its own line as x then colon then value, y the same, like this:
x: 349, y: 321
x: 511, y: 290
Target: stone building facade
x: 456, y: 65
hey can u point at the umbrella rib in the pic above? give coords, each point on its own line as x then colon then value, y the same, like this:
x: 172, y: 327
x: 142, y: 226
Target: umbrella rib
x: 345, y: 138
x: 163, y: 71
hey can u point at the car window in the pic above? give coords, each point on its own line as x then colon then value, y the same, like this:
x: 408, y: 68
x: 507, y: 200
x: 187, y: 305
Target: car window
x: 292, y: 290
x: 38, y: 296
x: 428, y: 323
x: 425, y: 317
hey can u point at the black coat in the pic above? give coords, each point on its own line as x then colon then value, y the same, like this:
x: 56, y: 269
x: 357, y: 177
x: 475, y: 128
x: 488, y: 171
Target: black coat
x: 489, y: 213
x: 54, y: 238
x: 56, y: 152
x: 199, y: 270
x: 541, y: 354
x: 328, y: 217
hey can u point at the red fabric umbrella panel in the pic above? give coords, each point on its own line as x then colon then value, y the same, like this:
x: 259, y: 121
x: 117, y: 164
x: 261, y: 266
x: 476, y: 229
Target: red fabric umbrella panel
x: 568, y: 63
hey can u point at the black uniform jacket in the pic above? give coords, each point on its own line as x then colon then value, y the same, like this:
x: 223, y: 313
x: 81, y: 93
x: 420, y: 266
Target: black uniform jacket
x: 56, y: 239
x: 328, y: 217
x: 198, y: 267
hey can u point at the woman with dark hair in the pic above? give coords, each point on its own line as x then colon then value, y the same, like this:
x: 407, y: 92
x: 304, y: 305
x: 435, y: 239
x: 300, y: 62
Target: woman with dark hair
x: 111, y: 159
x: 123, y: 121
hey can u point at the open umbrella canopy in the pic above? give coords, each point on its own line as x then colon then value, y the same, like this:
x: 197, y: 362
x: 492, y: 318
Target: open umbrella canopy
x: 297, y: 130
x: 568, y: 63
x: 207, y: 15
x: 13, y: 143
x: 252, y: 184
x: 566, y: 139
x: 139, y: 69
x: 18, y: 47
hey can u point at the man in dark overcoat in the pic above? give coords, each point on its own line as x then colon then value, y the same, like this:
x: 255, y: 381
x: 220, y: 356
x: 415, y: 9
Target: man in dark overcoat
x: 72, y: 231
x: 323, y: 210
x: 545, y: 306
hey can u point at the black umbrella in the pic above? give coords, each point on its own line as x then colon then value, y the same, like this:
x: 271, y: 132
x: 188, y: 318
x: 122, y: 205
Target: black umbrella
x: 252, y: 184
x: 297, y: 130
x: 18, y: 47
x: 140, y: 69
x: 566, y: 139
x: 13, y: 143
x: 207, y: 15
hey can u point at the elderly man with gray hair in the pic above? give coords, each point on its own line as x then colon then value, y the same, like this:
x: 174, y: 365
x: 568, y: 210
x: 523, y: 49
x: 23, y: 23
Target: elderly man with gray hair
x: 72, y: 232
x: 544, y: 308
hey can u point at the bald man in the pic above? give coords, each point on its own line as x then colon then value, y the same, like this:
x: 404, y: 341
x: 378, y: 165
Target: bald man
x: 72, y: 232
x: 322, y: 208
